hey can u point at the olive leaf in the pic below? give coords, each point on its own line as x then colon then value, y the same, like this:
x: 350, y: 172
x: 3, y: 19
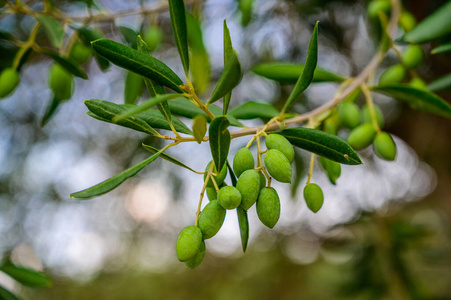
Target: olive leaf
x: 140, y: 63
x: 433, y: 27
x: 441, y: 84
x: 253, y: 110
x: 50, y: 110
x: 307, y: 73
x: 199, y: 128
x: 129, y: 35
x: 87, y: 36
x: 445, y: 48
x: 65, y: 63
x: 332, y: 169
x: 115, y: 181
x: 7, y: 295
x: 323, y: 144
x: 53, y: 29
x: 228, y: 51
x: 26, y: 276
x: 167, y: 157
x: 133, y: 87
x: 243, y: 223
x: 178, y: 21
x: 219, y: 140
x: 417, y: 99
x: 289, y: 73
x: 230, y: 77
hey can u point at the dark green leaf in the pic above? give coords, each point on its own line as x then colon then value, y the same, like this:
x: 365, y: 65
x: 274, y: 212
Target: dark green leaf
x: 133, y: 87
x: 230, y: 77
x: 289, y: 73
x: 253, y: 110
x: 87, y: 36
x: 232, y: 174
x: 243, y: 222
x: 167, y: 157
x: 7, y: 295
x: 299, y: 173
x: 219, y: 140
x: 129, y: 36
x: 178, y: 21
x: 307, y: 74
x: 323, y: 144
x: 65, y: 63
x: 140, y: 63
x: 143, y: 106
x: 441, y: 84
x: 115, y: 181
x: 50, y: 110
x: 433, y: 27
x: 108, y: 110
x: 26, y: 276
x: 442, y: 49
x: 418, y: 99
x: 228, y: 52
x: 5, y: 35
x: 199, y: 128
x: 53, y: 29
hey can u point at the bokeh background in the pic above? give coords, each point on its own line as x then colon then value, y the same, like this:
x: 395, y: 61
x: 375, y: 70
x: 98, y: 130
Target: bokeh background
x: 383, y: 232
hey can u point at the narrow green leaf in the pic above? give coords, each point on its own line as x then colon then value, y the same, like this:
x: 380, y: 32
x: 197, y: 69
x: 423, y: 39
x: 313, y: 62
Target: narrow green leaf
x: 199, y: 128
x: 219, y: 140
x: 323, y: 144
x: 442, y: 49
x: 140, y: 63
x: 332, y: 169
x: 228, y: 52
x: 178, y: 22
x: 307, y: 74
x: 53, y: 29
x: 436, y: 25
x: 133, y: 87
x: 441, y: 84
x: 230, y: 77
x: 108, y: 110
x: 417, y: 99
x: 167, y: 157
x: 26, y: 276
x: 143, y: 106
x: 299, y: 174
x: 232, y: 174
x: 50, y: 110
x: 289, y: 73
x: 243, y: 223
x: 7, y: 295
x: 253, y: 110
x: 88, y: 35
x: 115, y: 181
x: 65, y: 63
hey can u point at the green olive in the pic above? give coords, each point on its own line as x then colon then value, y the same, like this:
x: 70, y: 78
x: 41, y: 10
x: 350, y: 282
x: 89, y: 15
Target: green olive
x: 80, y: 53
x: 278, y: 142
x: 249, y: 186
x: 229, y: 197
x: 361, y: 136
x: 243, y: 161
x: 211, y: 219
x: 366, y: 115
x: 418, y: 83
x: 349, y: 114
x: 196, y: 260
x: 153, y: 37
x: 219, y: 178
x: 268, y: 207
x: 407, y: 21
x: 211, y: 192
x: 376, y: 6
x: 262, y: 180
x: 61, y: 82
x: 188, y: 243
x: 412, y: 56
x: 314, y: 197
x: 278, y: 165
x: 384, y: 146
x: 394, y: 74
x: 9, y: 79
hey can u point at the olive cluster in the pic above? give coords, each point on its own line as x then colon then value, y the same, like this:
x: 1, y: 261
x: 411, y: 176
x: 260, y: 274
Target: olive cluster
x: 251, y: 188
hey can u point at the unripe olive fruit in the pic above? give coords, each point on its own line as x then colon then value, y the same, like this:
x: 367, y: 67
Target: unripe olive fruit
x: 246, y: 11
x: 262, y: 180
x: 278, y: 165
x: 249, y: 185
x: 211, y: 192
x: 332, y: 168
x: 376, y: 6
x: 153, y: 36
x: 211, y: 219
x: 412, y: 56
x: 314, y: 197
x: 80, y: 53
x: 349, y: 114
x: 384, y: 146
x: 219, y: 178
x: 9, y: 79
x: 394, y: 74
x: 407, y: 21
x: 61, y: 82
x: 278, y: 142
x: 243, y: 161
x: 188, y: 243
x: 268, y: 207
x: 361, y: 136
x: 229, y: 197
x: 418, y: 83
x: 196, y: 260
x: 366, y: 115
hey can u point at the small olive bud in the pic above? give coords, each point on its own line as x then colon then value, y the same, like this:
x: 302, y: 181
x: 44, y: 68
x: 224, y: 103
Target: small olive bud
x: 278, y: 165
x: 412, y: 56
x: 384, y: 146
x: 196, y: 260
x: 229, y: 197
x: 9, y: 79
x: 394, y: 74
x: 211, y: 219
x: 279, y: 142
x: 361, y: 136
x: 188, y: 243
x: 61, y: 82
x: 268, y: 207
x: 366, y: 115
x: 349, y: 114
x: 314, y: 197
x: 243, y: 161
x: 249, y: 186
x: 219, y: 178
